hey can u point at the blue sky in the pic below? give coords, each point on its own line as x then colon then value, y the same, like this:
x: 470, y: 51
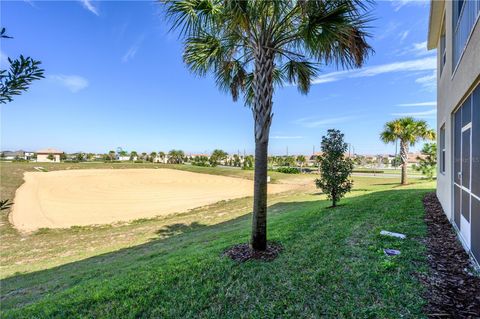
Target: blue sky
x: 115, y: 78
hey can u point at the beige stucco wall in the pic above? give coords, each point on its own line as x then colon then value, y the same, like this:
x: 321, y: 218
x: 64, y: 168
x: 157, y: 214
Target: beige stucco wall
x: 453, y: 88
x: 43, y: 158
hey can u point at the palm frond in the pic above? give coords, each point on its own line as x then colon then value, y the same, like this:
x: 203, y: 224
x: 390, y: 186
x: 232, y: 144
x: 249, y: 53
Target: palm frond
x: 300, y: 73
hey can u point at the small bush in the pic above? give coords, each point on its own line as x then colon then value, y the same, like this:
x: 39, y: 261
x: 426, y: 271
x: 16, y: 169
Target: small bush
x: 373, y: 171
x: 138, y: 161
x: 201, y: 164
x: 288, y: 170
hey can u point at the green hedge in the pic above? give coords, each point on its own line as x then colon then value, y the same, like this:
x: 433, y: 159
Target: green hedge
x: 288, y: 170
x: 374, y: 171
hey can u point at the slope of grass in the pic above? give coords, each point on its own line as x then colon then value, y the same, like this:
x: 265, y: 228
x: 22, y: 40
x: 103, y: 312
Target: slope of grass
x: 332, y: 265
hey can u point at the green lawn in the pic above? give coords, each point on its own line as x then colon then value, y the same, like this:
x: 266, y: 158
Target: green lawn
x: 332, y: 264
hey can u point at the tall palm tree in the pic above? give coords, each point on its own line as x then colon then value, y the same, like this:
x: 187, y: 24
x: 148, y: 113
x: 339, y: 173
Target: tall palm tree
x: 253, y: 47
x: 408, y: 131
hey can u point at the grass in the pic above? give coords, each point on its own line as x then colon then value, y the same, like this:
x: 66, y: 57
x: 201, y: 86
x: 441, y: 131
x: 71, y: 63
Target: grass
x: 332, y: 266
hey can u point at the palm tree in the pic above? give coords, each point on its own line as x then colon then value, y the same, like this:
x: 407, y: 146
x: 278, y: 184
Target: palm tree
x: 153, y: 156
x: 301, y: 160
x: 408, y: 131
x: 176, y: 156
x: 133, y: 155
x: 253, y: 47
x: 161, y: 156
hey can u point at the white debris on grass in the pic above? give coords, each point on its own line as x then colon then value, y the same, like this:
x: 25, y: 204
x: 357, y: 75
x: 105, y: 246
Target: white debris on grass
x: 391, y: 252
x: 392, y: 234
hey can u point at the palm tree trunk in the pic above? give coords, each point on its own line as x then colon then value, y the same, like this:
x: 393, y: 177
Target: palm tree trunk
x: 262, y: 115
x: 259, y: 223
x: 404, y: 157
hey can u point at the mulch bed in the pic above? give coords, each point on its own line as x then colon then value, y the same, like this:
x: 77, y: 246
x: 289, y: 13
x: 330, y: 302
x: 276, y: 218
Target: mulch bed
x: 243, y: 252
x: 453, y: 291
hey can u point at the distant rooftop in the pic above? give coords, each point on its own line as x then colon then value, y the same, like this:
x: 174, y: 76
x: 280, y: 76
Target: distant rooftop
x: 49, y: 151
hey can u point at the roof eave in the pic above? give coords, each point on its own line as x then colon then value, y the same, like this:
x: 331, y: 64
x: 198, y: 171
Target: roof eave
x: 435, y: 23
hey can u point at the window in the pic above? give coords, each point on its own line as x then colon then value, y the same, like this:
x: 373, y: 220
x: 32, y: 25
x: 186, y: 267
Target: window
x: 443, y: 49
x: 465, y: 15
x: 442, y: 149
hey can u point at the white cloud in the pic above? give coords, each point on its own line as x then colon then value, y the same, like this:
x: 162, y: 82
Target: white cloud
x: 403, y: 35
x: 74, y: 83
x: 311, y: 122
x: 423, y: 64
x: 426, y: 114
x: 398, y: 4
x: 429, y: 82
x: 389, y: 30
x: 432, y: 103
x: 87, y: 4
x: 285, y: 137
x: 30, y: 2
x: 132, y: 51
x: 417, y: 49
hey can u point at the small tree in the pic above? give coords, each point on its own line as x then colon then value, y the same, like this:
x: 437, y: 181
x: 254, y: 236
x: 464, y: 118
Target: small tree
x: 176, y: 156
x: 51, y: 157
x: 23, y: 71
x: 80, y: 157
x: 335, y: 167
x: 153, y: 156
x: 133, y: 155
x: 217, y: 156
x: 396, y: 161
x: 248, y: 162
x: 111, y: 155
x: 428, y: 163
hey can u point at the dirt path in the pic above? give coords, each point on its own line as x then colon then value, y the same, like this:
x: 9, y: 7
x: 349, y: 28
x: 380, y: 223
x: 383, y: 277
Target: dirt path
x: 61, y: 199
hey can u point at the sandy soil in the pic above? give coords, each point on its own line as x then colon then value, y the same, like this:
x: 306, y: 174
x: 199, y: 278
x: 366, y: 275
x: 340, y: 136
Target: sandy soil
x: 61, y: 199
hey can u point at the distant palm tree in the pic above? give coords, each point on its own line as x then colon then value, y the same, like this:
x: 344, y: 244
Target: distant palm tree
x: 301, y: 160
x: 408, y: 131
x: 133, y: 155
x: 161, y: 155
x: 153, y: 156
x: 252, y: 47
x: 176, y: 156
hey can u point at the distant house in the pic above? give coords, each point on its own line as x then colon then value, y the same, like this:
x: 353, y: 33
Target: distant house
x: 44, y: 154
x: 125, y: 158
x: 21, y: 154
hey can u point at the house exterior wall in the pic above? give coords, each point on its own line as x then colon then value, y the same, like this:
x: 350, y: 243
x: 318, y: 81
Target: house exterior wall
x: 44, y: 158
x: 454, y: 84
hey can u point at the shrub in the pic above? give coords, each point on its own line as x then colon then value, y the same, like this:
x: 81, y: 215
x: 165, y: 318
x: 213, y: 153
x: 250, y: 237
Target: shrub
x: 288, y: 170
x: 374, y: 171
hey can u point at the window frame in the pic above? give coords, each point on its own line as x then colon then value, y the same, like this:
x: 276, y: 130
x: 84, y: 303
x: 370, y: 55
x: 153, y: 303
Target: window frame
x: 442, y: 149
